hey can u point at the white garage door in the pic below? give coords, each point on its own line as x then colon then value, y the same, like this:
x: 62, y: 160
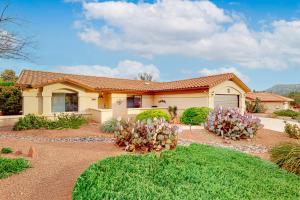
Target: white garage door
x: 226, y: 101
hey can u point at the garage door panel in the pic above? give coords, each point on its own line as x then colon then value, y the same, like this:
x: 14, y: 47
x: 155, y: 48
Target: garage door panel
x: 226, y: 101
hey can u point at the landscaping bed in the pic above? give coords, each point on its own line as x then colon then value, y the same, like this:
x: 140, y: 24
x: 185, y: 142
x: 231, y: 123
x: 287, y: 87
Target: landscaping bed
x: 197, y: 171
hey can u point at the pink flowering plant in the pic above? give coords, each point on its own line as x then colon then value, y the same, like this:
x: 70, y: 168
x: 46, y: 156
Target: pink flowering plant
x: 147, y: 135
x: 230, y: 123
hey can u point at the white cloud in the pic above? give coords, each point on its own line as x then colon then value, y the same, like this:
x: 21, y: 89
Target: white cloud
x: 222, y: 70
x: 125, y: 69
x: 191, y: 28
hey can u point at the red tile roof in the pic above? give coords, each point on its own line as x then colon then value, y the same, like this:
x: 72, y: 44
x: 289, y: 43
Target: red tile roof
x: 36, y: 79
x: 267, y: 97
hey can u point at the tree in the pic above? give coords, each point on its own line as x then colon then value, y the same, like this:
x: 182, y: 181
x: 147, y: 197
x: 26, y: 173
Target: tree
x: 10, y: 100
x: 8, y: 75
x: 145, y: 76
x: 12, y: 45
x: 296, y: 97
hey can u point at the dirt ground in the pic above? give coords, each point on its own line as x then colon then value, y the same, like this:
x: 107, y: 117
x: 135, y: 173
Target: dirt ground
x: 57, y: 165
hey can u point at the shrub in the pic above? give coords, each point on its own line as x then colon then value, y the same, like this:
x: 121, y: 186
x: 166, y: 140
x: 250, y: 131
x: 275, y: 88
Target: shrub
x: 7, y: 83
x: 194, y: 115
x: 153, y: 113
x: 255, y: 107
x: 142, y: 136
x: 63, y: 121
x: 10, y: 100
x: 287, y: 113
x: 111, y: 125
x: 193, y: 172
x: 173, y: 112
x: 292, y: 130
x: 10, y: 166
x: 287, y: 156
x: 230, y: 123
x: 6, y: 150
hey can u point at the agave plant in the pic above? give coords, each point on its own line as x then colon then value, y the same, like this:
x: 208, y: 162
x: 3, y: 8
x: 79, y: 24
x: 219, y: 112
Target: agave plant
x: 146, y: 136
x: 230, y: 123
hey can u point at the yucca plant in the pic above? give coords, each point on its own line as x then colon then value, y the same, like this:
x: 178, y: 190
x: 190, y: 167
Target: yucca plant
x: 287, y: 156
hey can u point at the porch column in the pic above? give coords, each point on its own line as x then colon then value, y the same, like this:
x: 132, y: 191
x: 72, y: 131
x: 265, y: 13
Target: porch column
x: 47, y: 104
x: 30, y: 101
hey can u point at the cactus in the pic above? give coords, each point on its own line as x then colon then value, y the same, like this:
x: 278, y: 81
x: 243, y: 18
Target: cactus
x: 230, y: 123
x: 148, y: 135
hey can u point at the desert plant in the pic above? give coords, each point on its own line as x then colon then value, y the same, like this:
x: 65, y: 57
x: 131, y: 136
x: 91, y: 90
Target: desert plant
x: 287, y: 156
x: 6, y: 150
x: 194, y: 115
x: 146, y: 136
x: 111, y: 125
x: 287, y: 113
x: 10, y: 100
x: 255, y: 107
x: 151, y: 114
x: 230, y: 123
x: 63, y: 121
x: 9, y: 166
x: 173, y: 112
x: 292, y: 130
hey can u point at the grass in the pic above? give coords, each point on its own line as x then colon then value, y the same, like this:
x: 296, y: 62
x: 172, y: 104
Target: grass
x: 194, y: 172
x: 9, y: 166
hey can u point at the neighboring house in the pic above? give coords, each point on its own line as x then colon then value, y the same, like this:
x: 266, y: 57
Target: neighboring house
x: 270, y: 101
x: 45, y: 93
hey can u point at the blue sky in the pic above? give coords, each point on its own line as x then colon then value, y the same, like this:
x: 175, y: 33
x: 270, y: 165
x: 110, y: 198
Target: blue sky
x: 258, y: 40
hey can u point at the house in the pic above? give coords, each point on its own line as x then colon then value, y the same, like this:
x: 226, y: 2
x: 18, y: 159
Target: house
x: 46, y: 93
x: 271, y: 102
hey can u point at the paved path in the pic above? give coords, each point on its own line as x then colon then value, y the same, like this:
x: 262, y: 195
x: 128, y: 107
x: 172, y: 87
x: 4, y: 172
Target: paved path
x: 274, y: 124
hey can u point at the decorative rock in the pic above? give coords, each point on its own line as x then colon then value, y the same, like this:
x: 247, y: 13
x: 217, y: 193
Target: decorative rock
x: 32, y: 153
x: 19, y: 152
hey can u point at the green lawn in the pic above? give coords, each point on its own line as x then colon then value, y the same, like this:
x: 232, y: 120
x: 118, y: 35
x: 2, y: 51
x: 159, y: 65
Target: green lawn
x: 9, y: 166
x: 194, y: 172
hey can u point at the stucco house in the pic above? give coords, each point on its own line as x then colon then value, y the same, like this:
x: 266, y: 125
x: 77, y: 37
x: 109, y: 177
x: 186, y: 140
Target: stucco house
x: 47, y: 93
x: 271, y: 102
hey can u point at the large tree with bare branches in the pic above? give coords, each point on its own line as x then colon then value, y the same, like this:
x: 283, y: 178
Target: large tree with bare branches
x: 12, y: 44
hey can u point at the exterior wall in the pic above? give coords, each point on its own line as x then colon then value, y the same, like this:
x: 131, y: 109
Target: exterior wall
x: 101, y: 115
x: 274, y: 106
x: 119, y: 105
x: 147, y: 101
x: 182, y: 101
x: 228, y: 87
x: 132, y: 112
x: 105, y: 101
x: 38, y: 101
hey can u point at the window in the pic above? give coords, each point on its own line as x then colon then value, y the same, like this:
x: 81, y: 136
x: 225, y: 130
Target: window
x: 64, y: 102
x: 134, y: 101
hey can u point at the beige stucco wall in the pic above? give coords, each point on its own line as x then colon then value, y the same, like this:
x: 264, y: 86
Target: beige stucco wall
x: 38, y: 101
x: 275, y: 106
x: 228, y: 87
x: 147, y: 101
x: 182, y: 101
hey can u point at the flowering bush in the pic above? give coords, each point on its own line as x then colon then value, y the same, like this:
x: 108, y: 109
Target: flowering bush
x: 146, y: 136
x: 230, y: 123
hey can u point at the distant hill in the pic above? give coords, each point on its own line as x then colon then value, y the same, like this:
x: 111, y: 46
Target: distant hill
x: 284, y: 89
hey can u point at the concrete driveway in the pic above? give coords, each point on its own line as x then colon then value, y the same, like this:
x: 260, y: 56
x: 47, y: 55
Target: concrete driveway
x: 275, y: 124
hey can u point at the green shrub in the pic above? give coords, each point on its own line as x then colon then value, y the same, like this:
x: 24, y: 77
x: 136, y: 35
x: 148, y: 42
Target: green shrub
x: 194, y: 115
x: 10, y: 100
x: 287, y: 113
x: 287, y: 156
x: 193, y: 172
x: 7, y: 83
x: 6, y: 150
x: 146, y: 136
x: 63, y: 121
x: 153, y: 113
x: 111, y: 125
x: 10, y: 166
x: 292, y: 130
